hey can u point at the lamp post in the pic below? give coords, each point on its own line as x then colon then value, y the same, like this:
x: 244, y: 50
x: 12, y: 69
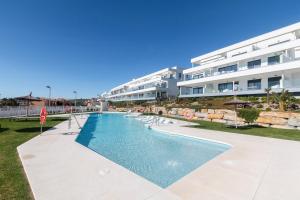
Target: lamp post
x: 75, y: 93
x: 49, y: 100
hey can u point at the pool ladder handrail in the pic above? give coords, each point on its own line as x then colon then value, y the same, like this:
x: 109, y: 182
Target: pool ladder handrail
x: 154, y: 120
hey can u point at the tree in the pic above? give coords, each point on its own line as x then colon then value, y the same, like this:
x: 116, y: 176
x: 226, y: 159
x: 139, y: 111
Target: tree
x: 283, y: 99
x: 8, y: 102
x: 268, y: 90
x: 249, y: 114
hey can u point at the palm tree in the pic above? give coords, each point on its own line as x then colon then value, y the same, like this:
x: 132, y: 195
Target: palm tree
x: 283, y: 99
x: 268, y: 90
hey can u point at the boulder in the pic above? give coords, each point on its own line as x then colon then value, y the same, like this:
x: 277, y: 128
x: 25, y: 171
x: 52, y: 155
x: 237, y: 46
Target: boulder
x: 215, y: 116
x: 201, y: 115
x: 231, y: 117
x: 188, y: 110
x: 173, y: 111
x: 285, y: 115
x: 210, y: 111
x: 295, y: 115
x: 121, y: 109
x: 272, y: 120
x: 204, y: 110
x: 294, y: 122
x: 180, y: 112
x: 195, y: 118
x: 224, y: 111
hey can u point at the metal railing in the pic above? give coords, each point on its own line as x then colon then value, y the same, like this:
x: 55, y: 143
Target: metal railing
x: 22, y: 111
x: 134, y: 98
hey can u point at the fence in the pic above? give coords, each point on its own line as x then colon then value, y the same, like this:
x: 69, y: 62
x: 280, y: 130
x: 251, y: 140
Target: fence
x: 19, y: 111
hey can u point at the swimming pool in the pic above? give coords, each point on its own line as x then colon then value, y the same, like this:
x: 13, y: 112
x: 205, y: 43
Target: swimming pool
x: 160, y: 158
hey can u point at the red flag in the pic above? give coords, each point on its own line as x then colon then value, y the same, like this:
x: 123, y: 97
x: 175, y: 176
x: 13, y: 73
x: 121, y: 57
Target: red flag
x: 43, y: 115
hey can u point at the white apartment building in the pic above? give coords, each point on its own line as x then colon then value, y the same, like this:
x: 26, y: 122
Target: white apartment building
x: 271, y: 60
x: 158, y: 85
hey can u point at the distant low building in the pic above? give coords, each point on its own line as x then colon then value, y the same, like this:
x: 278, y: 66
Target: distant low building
x: 41, y: 101
x: 29, y: 100
x: 91, y: 102
x: 158, y: 85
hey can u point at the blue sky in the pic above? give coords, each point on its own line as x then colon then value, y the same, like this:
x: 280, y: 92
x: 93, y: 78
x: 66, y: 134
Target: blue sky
x: 91, y: 46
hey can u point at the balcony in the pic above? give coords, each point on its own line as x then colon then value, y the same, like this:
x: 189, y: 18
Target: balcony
x: 210, y: 77
x: 230, y: 92
x: 135, y: 98
x: 256, y: 52
x: 147, y: 88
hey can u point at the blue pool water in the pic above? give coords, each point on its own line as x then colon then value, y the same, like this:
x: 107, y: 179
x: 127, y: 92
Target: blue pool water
x: 161, y: 158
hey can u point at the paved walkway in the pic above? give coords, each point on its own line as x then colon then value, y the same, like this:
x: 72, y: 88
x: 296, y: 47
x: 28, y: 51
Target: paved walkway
x: 255, y: 168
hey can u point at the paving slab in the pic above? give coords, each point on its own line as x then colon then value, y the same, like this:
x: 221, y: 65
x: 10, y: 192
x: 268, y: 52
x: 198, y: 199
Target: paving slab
x: 255, y: 168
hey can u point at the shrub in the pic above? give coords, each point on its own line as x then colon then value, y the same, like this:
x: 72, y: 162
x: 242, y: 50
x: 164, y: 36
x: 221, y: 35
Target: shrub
x: 263, y: 100
x: 284, y: 99
x: 259, y: 106
x: 293, y: 106
x: 249, y: 114
x: 268, y: 109
x: 253, y: 99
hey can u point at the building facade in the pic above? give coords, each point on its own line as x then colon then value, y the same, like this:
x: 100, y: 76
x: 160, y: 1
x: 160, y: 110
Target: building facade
x: 271, y: 60
x: 158, y: 85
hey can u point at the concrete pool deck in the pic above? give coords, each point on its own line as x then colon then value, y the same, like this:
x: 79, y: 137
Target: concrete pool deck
x: 254, y: 168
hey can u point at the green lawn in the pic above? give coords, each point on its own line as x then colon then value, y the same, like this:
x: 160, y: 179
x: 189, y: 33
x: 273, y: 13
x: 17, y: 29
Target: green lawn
x: 13, y: 182
x: 251, y: 130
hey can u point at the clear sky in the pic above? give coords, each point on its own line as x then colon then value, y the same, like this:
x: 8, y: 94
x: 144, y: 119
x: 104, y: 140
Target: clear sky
x: 93, y: 45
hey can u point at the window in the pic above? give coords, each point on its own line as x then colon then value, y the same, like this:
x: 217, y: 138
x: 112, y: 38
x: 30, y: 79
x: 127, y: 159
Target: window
x: 231, y: 68
x: 179, y: 76
x: 196, y: 76
x: 273, y: 60
x: 254, y: 64
x: 236, y: 86
x: 141, y: 87
x: 198, y: 90
x: 274, y: 82
x: 224, y: 87
x: 254, y: 84
x: 163, y: 85
x: 187, y: 77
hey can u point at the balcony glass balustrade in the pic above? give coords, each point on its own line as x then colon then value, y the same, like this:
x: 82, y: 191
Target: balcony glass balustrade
x: 216, y: 72
x: 142, y: 87
x: 214, y: 92
x: 133, y: 98
x: 252, y: 47
x: 188, y: 91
